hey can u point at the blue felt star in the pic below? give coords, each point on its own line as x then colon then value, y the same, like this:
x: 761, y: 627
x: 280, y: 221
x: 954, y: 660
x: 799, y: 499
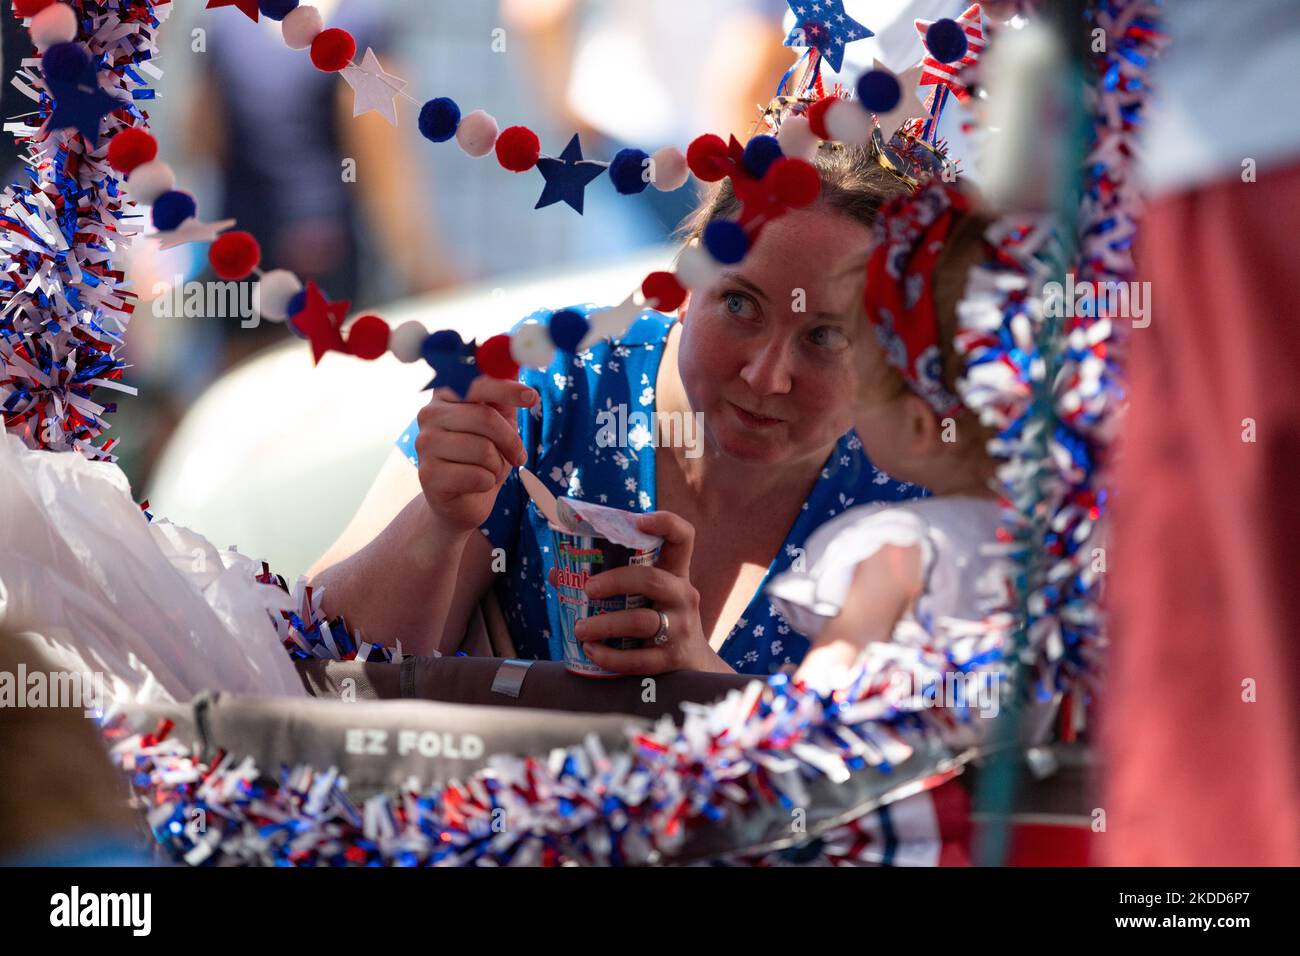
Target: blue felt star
x: 453, y: 368
x: 567, y: 176
x: 824, y: 24
x: 83, y: 106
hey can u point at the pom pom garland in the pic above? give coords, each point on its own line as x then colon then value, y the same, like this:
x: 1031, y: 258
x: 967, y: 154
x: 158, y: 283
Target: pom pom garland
x: 628, y: 171
x: 946, y: 40
x: 57, y: 23
x: 797, y: 139
x: 131, y: 148
x: 277, y: 9
x: 29, y: 8
x: 726, y: 241
x: 444, y: 340
x: 368, y: 337
x: 707, y: 158
x: 406, y: 342
x: 274, y: 292
x: 150, y: 180
x: 670, y: 170
x: 332, y: 50
x: 301, y: 26
x: 518, y: 149
x: 795, y: 182
x: 439, y: 119
x: 531, y: 345
x: 816, y: 114
x: 568, y: 329
x: 879, y: 91
x: 663, y: 292
x: 172, y: 208
x: 494, y: 358
x: 760, y: 153
x: 65, y: 63
x: 477, y: 133
x: 234, y: 256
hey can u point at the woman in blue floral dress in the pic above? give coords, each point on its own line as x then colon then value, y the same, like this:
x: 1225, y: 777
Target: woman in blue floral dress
x: 761, y: 360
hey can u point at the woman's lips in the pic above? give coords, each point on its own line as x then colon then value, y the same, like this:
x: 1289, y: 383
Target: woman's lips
x: 754, y: 421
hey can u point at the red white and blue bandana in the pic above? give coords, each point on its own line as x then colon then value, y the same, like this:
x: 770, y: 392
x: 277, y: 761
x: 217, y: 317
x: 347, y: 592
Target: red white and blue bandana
x: 908, y: 238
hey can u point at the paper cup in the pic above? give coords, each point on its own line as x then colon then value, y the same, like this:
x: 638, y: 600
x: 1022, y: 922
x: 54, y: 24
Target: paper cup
x: 578, y: 557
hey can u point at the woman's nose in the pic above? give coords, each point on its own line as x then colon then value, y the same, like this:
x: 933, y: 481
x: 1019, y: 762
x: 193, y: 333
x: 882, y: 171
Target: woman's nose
x: 768, y: 370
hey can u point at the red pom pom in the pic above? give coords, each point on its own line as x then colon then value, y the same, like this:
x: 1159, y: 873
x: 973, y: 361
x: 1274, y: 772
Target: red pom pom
x: 518, y: 149
x: 29, y: 8
x: 795, y: 182
x: 332, y: 50
x: 708, y: 158
x: 131, y: 148
x: 234, y: 255
x: 493, y: 358
x: 367, y: 337
x: 662, y: 291
x: 817, y: 117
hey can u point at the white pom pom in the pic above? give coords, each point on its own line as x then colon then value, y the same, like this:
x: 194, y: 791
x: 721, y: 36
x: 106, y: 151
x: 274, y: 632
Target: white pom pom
x: 302, y: 25
x: 57, y: 23
x: 848, y: 122
x: 695, y: 267
x: 150, y: 180
x: 531, y: 345
x: 272, y: 293
x: 797, y: 139
x: 670, y: 169
x: 405, y: 341
x: 477, y: 133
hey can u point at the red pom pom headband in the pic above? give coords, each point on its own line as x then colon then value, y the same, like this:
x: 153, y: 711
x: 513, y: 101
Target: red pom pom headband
x: 907, y: 241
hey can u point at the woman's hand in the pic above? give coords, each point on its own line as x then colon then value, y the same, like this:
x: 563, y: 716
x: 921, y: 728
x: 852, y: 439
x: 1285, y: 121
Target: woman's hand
x: 467, y: 449
x: 668, y: 585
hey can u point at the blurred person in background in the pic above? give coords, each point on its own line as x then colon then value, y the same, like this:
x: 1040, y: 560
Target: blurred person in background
x: 1202, y: 717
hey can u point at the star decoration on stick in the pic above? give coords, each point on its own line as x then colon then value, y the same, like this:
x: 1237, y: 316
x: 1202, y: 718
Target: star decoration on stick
x: 949, y: 74
x: 823, y: 24
x: 567, y: 176
x: 909, y: 106
x: 192, y: 230
x: 320, y: 320
x: 373, y: 89
x: 248, y: 7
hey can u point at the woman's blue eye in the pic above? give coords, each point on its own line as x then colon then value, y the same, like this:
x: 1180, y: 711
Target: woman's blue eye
x: 829, y: 337
x: 735, y: 302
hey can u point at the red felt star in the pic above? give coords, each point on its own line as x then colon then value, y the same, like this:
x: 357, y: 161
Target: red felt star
x: 320, y: 320
x: 948, y: 74
x: 249, y: 7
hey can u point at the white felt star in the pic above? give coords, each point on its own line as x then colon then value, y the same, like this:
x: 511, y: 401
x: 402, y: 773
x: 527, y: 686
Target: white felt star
x: 373, y: 89
x: 909, y: 107
x: 192, y: 230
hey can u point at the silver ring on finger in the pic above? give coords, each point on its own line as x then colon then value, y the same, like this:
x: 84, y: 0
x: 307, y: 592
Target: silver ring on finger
x: 661, y: 635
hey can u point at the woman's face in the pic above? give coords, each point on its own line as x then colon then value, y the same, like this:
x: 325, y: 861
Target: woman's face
x: 767, y: 350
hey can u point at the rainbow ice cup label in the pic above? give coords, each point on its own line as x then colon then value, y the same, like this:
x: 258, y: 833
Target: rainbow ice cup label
x: 577, y: 558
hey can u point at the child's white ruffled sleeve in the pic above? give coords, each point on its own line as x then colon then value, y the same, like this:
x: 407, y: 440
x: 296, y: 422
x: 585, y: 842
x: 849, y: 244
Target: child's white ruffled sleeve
x: 814, y: 590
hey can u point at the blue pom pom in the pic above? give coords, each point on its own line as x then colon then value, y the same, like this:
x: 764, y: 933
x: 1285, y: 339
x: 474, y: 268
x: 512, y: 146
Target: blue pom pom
x: 946, y: 40
x: 439, y: 119
x: 568, y: 329
x: 760, y: 153
x: 295, y: 305
x: 878, y: 91
x: 172, y: 208
x: 277, y: 9
x: 726, y: 241
x: 65, y: 62
x: 444, y: 340
x: 627, y: 171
